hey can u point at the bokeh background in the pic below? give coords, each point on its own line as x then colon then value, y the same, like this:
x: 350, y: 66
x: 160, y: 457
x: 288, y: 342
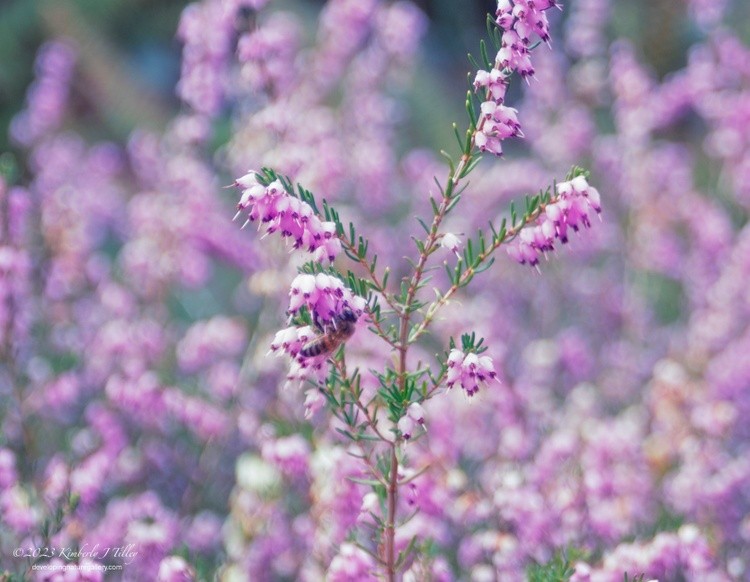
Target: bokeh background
x: 132, y: 57
x: 137, y: 400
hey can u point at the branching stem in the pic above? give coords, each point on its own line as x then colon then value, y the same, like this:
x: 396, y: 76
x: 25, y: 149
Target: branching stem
x: 470, y: 271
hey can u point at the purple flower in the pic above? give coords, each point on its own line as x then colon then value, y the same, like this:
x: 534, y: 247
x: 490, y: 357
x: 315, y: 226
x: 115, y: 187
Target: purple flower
x: 352, y: 564
x: 207, y: 30
x: 17, y: 510
x: 414, y: 416
x: 267, y: 54
x: 314, y: 401
x: 324, y: 296
x: 290, y: 341
x: 668, y: 556
x: 498, y: 123
x: 290, y: 454
x: 451, y: 242
x: 328, y: 302
x: 175, y: 569
x: 206, y: 340
x: 8, y: 473
x: 416, y: 413
x: 47, y: 98
x: 204, y: 532
x: 572, y: 208
x: 406, y: 426
x: 273, y: 207
x: 494, y: 81
x: 520, y: 20
x: 469, y: 371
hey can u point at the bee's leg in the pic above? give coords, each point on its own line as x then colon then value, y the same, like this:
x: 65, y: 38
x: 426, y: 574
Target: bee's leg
x: 318, y: 324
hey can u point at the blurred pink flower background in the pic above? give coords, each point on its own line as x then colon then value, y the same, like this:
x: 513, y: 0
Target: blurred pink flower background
x: 139, y: 407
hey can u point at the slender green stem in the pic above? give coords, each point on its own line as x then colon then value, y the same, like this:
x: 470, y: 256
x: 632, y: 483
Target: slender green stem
x: 371, y: 422
x: 378, y: 285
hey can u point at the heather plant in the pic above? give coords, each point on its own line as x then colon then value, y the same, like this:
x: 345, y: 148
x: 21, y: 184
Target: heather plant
x: 417, y: 374
x: 380, y: 414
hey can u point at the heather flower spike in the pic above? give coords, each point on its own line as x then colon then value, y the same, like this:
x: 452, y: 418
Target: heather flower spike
x: 572, y: 207
x: 275, y: 209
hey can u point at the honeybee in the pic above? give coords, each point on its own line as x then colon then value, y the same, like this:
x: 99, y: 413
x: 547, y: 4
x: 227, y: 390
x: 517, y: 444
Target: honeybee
x: 332, y: 336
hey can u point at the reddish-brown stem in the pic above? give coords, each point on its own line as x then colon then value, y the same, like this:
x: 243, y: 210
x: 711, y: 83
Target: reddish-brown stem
x: 403, y: 346
x: 390, y: 526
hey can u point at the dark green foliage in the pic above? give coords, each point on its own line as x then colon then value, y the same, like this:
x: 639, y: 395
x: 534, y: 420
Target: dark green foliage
x: 558, y: 569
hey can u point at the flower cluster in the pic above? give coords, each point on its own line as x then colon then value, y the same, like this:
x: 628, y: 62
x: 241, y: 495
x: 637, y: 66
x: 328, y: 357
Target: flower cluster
x: 570, y: 210
x: 324, y: 296
x: 498, y: 123
x: 267, y: 54
x: 12, y: 264
x: 48, y: 96
x: 669, y: 556
x: 175, y: 569
x: 289, y: 454
x: 726, y: 108
x: 352, y: 564
x: 273, y: 206
x: 206, y: 341
x: 470, y: 371
x: 290, y: 341
x: 495, y: 82
x: 328, y: 302
x: 518, y: 20
x: 207, y: 30
x: 414, y: 416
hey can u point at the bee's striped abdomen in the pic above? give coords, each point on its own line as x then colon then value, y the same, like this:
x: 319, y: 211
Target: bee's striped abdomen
x: 315, y: 348
x: 340, y: 330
